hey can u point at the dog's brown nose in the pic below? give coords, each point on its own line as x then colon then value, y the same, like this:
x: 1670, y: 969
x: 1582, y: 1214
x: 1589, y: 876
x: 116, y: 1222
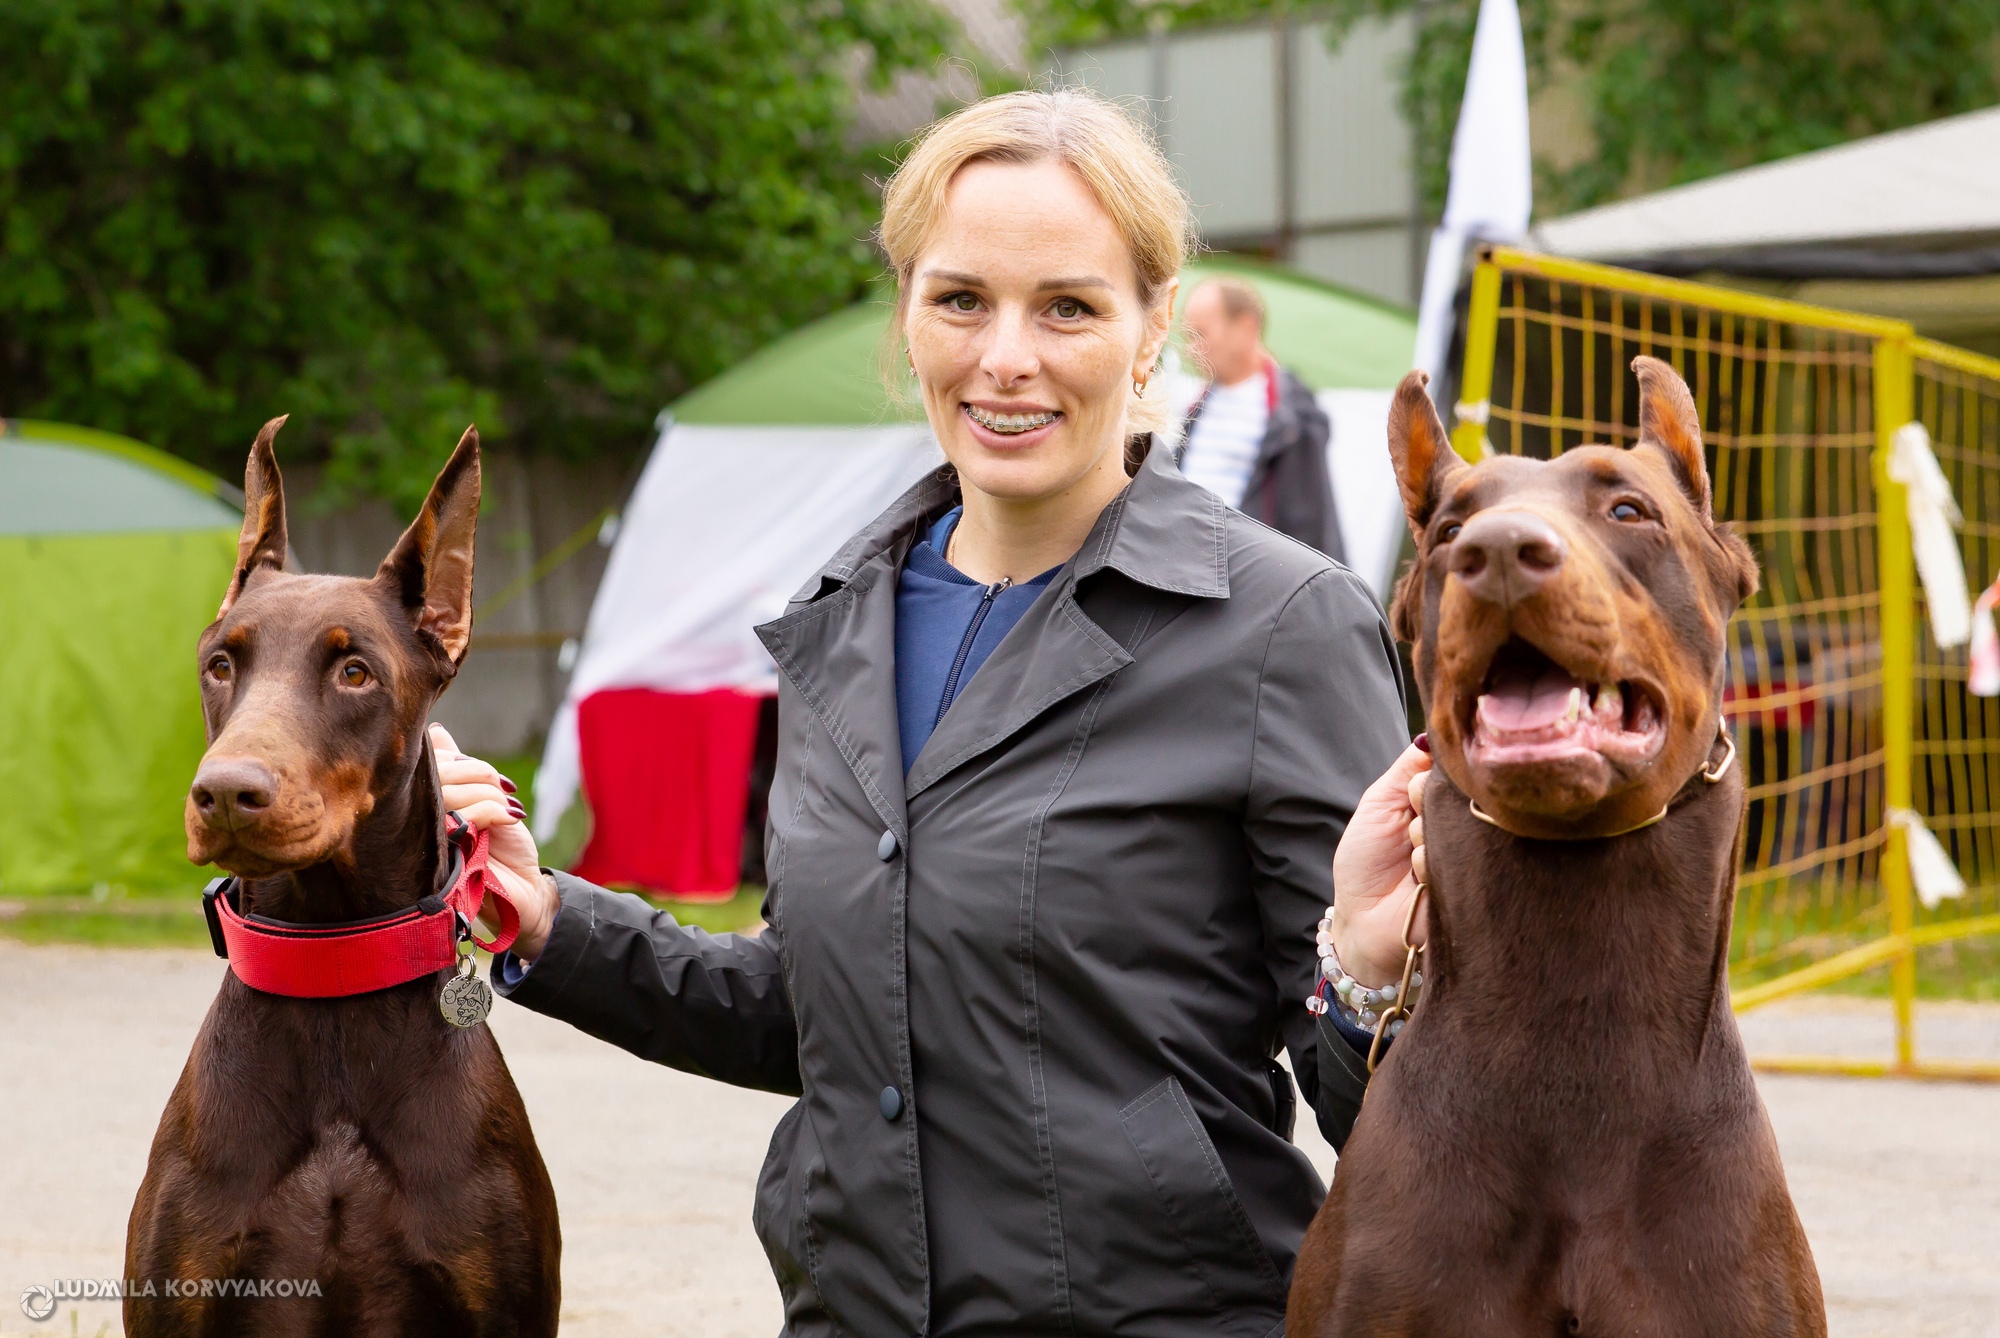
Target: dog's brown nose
x: 1505, y: 556
x: 233, y: 791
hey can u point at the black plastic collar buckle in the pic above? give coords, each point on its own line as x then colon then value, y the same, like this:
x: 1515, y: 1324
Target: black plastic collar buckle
x: 217, y: 887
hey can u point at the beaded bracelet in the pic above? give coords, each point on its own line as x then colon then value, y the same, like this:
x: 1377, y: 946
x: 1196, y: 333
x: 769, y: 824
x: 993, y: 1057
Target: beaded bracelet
x: 1358, y: 1004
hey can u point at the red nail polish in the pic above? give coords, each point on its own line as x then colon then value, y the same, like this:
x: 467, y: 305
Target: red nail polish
x: 508, y: 786
x: 514, y: 807
x: 1423, y: 741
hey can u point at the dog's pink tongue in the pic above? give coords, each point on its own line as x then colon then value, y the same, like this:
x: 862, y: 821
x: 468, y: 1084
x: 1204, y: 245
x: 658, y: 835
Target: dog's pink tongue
x: 1523, y: 699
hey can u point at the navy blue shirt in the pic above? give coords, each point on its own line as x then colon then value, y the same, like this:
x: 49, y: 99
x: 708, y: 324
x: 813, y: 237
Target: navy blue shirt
x: 947, y: 624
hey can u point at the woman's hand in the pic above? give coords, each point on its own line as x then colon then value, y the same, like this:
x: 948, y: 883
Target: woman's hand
x: 1376, y: 869
x: 481, y: 795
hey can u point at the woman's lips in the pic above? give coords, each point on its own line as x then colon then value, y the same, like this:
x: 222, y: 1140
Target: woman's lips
x: 1011, y: 428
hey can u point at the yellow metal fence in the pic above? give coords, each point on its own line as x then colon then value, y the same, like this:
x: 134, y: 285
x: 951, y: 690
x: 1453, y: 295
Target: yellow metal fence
x: 1842, y: 705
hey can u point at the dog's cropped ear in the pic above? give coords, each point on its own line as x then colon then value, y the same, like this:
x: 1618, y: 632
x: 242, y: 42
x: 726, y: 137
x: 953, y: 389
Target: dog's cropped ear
x: 1669, y: 424
x: 430, y: 568
x: 262, y: 543
x: 1425, y: 462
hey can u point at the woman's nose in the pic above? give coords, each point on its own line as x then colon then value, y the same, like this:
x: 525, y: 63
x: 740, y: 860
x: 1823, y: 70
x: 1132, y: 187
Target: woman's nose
x: 1010, y: 355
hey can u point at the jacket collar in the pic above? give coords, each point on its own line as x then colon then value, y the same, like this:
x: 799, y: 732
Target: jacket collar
x: 837, y: 642
x: 897, y: 528
x: 1148, y: 533
x: 1162, y: 531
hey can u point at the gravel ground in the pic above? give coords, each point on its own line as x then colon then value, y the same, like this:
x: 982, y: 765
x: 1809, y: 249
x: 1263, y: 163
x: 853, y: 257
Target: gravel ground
x: 1898, y: 1183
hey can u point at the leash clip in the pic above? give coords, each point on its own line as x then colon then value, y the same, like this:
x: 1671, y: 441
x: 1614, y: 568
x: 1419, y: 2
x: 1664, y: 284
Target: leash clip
x: 1400, y: 1008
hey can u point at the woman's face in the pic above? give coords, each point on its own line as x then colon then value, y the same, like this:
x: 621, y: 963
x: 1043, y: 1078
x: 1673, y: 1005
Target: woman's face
x: 1026, y: 330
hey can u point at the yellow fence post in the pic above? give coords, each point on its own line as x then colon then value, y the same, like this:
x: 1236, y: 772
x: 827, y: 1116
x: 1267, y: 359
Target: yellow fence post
x: 1896, y: 584
x: 1475, y: 378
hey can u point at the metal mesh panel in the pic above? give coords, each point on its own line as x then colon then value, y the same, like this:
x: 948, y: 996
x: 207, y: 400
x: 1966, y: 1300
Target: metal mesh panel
x: 1957, y: 748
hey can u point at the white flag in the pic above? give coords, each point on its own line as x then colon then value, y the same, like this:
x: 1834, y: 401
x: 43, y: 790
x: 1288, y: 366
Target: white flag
x: 1933, y: 516
x: 1932, y: 873
x: 1492, y: 171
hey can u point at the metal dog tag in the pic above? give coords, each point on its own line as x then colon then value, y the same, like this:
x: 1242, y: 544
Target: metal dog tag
x: 466, y: 999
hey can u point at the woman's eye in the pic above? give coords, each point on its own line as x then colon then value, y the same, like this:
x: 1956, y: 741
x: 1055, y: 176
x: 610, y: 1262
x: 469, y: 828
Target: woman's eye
x: 962, y: 302
x: 1627, y: 511
x: 1449, y: 532
x: 354, y: 674
x: 1067, y: 308
x: 220, y: 669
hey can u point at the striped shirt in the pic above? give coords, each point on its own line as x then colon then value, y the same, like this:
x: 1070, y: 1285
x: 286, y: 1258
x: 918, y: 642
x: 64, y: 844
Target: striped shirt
x: 1222, y: 448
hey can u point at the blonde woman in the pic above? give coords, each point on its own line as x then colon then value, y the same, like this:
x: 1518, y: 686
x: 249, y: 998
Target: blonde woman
x: 1066, y: 747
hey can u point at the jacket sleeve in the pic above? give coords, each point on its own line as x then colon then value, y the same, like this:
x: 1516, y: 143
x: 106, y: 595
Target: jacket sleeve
x: 1329, y: 722
x: 712, y: 1004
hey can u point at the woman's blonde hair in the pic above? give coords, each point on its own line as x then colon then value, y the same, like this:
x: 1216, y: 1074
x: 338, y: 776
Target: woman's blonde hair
x: 1092, y: 136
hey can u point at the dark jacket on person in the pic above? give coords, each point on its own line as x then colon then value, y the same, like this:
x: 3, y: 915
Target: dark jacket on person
x: 1289, y: 487
x: 1030, y: 992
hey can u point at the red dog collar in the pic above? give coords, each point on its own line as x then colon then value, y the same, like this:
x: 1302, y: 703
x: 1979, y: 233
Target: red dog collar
x: 331, y: 961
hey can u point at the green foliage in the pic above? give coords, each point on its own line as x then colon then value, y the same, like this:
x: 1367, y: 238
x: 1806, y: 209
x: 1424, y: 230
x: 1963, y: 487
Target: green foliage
x: 1677, y: 90
x: 1072, y: 23
x: 392, y: 217
x: 1684, y: 89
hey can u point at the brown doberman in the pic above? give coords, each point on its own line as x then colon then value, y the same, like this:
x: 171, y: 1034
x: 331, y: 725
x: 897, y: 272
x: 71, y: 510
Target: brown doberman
x: 360, y: 1149
x: 1566, y: 1138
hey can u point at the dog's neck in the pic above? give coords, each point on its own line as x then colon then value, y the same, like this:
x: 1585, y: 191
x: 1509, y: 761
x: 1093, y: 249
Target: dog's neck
x: 1623, y: 939
x: 391, y: 861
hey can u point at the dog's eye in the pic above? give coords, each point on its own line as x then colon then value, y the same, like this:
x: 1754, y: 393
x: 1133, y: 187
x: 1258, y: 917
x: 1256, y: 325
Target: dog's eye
x: 220, y: 669
x: 1449, y: 532
x: 1627, y: 511
x: 354, y: 674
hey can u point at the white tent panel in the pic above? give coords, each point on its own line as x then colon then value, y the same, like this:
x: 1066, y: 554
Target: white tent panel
x: 1365, y: 496
x: 1936, y: 180
x: 724, y: 525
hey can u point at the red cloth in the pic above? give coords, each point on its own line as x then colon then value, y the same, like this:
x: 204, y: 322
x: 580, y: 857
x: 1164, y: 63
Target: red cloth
x: 667, y: 775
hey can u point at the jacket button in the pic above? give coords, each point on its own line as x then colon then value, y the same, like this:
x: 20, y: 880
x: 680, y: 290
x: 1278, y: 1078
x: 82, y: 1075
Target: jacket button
x: 885, y: 849
x: 891, y: 1103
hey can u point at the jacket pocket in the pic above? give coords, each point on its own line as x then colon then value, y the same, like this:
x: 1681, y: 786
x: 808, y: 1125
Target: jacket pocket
x: 1199, y: 1205
x: 779, y: 1215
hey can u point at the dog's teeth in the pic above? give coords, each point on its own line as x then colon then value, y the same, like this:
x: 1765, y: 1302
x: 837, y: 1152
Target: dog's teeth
x: 1574, y: 712
x: 1610, y: 700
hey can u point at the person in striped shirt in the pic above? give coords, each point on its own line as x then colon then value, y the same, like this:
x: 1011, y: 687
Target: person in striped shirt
x: 1256, y: 438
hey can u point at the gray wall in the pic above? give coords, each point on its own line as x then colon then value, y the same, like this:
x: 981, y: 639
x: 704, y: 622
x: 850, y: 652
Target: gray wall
x: 504, y: 697
x: 1288, y: 147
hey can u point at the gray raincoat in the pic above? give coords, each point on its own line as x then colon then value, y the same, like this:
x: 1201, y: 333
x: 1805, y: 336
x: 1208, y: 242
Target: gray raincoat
x: 1030, y: 993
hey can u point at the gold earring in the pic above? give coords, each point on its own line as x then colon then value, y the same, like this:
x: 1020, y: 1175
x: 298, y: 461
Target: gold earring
x: 1139, y: 386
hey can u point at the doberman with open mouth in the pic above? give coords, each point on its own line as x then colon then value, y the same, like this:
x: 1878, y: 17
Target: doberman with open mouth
x: 1566, y: 1138
x: 345, y: 1153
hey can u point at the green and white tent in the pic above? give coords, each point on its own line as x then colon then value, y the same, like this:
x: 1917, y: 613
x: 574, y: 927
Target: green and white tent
x: 757, y: 479
x: 113, y: 557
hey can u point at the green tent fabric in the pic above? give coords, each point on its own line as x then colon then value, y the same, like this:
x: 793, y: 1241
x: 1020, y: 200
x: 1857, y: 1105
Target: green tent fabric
x: 826, y: 373
x: 113, y: 557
